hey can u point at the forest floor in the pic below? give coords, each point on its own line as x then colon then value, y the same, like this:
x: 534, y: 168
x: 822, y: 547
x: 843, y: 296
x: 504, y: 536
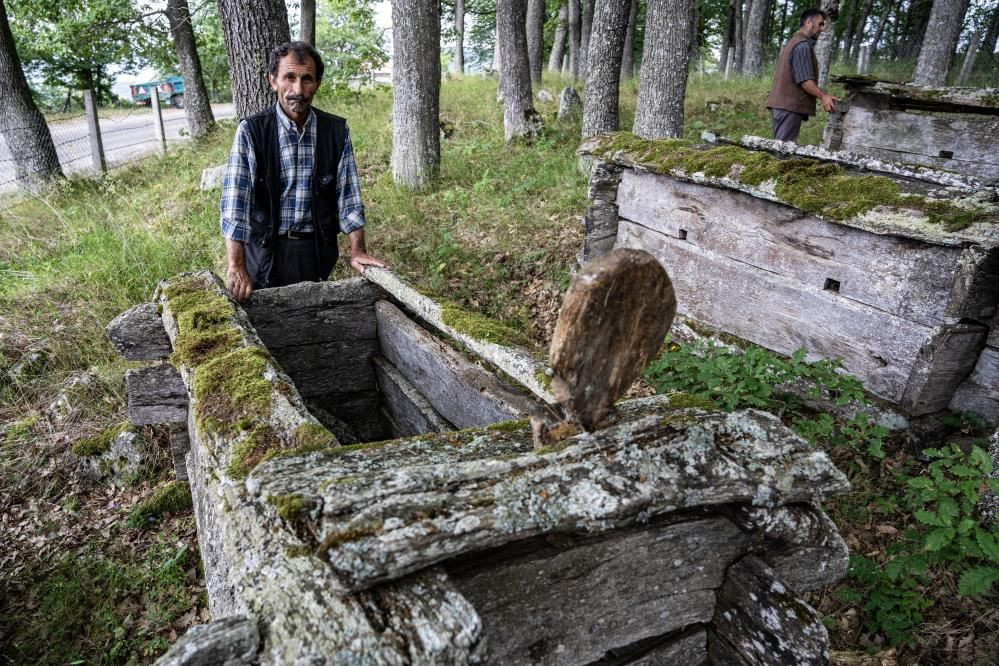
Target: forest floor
x: 82, y: 583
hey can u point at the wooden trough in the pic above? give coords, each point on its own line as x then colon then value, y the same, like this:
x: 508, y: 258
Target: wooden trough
x: 893, y: 269
x: 667, y: 535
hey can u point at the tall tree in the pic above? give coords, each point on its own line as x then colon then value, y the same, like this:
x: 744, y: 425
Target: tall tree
x: 917, y: 19
x: 307, y: 22
x: 752, y: 59
x: 459, y: 36
x: 603, y: 73
x: 988, y: 46
x: 879, y: 31
x: 559, y: 40
x: 824, y: 44
x: 858, y: 33
x: 628, y: 54
x: 665, y: 65
x: 535, y: 38
x: 575, y: 37
x: 21, y: 123
x: 728, y: 37
x: 585, y: 29
x: 740, y: 33
x: 197, y: 106
x: 519, y: 117
x: 250, y: 33
x: 850, y: 23
x: 416, y: 87
x: 947, y: 17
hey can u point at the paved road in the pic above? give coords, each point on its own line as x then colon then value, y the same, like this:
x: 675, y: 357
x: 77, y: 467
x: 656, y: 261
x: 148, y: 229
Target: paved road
x: 126, y: 136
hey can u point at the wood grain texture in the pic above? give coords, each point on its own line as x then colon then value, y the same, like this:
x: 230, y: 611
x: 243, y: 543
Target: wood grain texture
x: 409, y: 411
x: 138, y: 334
x: 944, y: 361
x: 156, y: 394
x: 778, y: 314
x: 233, y: 641
x: 463, y: 393
x: 979, y: 393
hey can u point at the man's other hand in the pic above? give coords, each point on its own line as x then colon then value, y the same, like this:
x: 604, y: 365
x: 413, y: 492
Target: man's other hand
x: 360, y: 260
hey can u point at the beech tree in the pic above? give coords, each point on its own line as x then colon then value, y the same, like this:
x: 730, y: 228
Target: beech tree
x: 21, y: 123
x: 251, y: 31
x: 946, y: 17
x: 665, y: 64
x: 824, y: 44
x: 458, y: 63
x: 574, y: 38
x: 416, y: 87
x: 585, y: 28
x: 628, y: 54
x: 307, y: 22
x: 519, y: 117
x: 557, y: 54
x: 752, y: 58
x: 603, y: 73
x: 535, y: 38
x: 197, y: 106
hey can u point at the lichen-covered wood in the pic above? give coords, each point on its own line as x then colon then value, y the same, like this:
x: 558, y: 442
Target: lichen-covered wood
x: 156, y: 394
x: 406, y: 408
x: 138, y: 335
x: 232, y: 641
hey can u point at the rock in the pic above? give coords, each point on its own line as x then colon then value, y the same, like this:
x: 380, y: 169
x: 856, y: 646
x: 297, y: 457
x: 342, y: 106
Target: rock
x: 569, y: 103
x: 211, y: 178
x: 232, y: 641
x: 138, y: 333
x: 119, y: 454
x: 545, y: 96
x: 29, y: 365
x: 68, y: 404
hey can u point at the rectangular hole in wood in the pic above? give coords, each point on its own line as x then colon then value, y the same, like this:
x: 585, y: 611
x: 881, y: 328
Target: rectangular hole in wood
x: 947, y: 154
x: 682, y: 234
x: 831, y: 285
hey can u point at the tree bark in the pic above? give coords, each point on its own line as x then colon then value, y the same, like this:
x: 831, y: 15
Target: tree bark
x: 740, y: 33
x: 519, y: 117
x: 536, y: 38
x: 628, y: 54
x: 575, y: 36
x: 858, y: 35
x: 752, y: 62
x: 824, y: 45
x: 665, y: 64
x: 603, y: 74
x: 197, y: 106
x: 459, y: 36
x: 250, y: 33
x: 585, y: 29
x: 851, y: 22
x: 416, y: 81
x: 881, y: 27
x: 969, y: 59
x: 21, y: 123
x: 988, y: 46
x: 559, y: 42
x: 307, y: 22
x: 916, y: 21
x: 946, y: 17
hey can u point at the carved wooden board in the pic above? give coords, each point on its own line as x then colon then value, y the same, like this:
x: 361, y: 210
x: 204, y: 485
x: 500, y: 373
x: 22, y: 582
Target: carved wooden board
x: 409, y: 411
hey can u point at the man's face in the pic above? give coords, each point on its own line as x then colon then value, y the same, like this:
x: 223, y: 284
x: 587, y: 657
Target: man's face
x: 295, y: 85
x: 814, y: 26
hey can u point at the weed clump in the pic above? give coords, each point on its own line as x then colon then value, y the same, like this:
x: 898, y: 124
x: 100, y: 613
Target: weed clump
x: 100, y: 443
x: 171, y: 498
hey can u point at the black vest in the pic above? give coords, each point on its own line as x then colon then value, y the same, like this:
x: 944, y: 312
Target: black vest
x: 265, y: 211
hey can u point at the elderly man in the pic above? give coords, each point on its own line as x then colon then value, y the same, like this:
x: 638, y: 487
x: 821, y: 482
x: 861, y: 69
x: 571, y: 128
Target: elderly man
x: 291, y: 185
x: 794, y: 91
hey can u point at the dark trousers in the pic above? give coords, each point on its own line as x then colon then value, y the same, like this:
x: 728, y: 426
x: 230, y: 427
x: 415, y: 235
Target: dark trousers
x: 296, y: 260
x: 786, y: 124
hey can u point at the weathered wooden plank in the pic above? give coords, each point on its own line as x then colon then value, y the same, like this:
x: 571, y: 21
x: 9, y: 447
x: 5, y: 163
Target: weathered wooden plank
x: 910, y: 279
x: 339, y: 366
x: 156, y: 395
x: 763, y: 622
x: 979, y: 393
x: 401, y: 506
x: 410, y: 412
x: 138, y: 334
x: 233, y: 641
x: 463, y: 393
x: 950, y: 99
x: 778, y: 314
x: 943, y: 363
x: 976, y: 287
x: 966, y: 145
x: 567, y: 604
x: 358, y: 409
x: 180, y: 444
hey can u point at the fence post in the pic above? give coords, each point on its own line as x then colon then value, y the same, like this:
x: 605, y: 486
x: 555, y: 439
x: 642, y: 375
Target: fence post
x: 864, y: 60
x: 94, y: 129
x: 154, y: 101
x: 969, y: 58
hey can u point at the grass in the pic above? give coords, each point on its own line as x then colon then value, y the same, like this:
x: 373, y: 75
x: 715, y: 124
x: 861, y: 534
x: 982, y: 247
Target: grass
x: 497, y: 236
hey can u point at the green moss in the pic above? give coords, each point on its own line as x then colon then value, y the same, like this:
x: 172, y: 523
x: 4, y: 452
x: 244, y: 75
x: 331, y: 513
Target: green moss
x: 204, y: 322
x: 552, y: 448
x: 18, y: 432
x: 510, y: 426
x: 289, y: 507
x: 481, y: 327
x: 297, y: 551
x: 314, y: 437
x: 98, y: 444
x: 171, y: 498
x: 252, y: 450
x: 544, y: 379
x: 334, y: 539
x: 687, y: 400
x: 231, y: 392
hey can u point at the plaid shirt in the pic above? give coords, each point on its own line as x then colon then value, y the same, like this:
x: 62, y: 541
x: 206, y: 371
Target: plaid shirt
x: 297, y: 160
x: 801, y: 61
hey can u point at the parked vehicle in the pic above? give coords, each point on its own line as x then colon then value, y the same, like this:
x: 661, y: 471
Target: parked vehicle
x: 170, y: 90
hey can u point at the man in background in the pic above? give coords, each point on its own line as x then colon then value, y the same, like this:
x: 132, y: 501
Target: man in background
x: 291, y: 185
x: 794, y: 92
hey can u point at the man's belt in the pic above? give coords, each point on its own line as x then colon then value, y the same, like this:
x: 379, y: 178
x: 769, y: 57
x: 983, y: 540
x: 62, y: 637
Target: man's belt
x: 296, y: 234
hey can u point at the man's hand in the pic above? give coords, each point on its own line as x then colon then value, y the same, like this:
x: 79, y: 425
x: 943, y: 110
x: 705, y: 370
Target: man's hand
x: 828, y: 103
x: 238, y: 279
x: 359, y: 257
x: 827, y: 100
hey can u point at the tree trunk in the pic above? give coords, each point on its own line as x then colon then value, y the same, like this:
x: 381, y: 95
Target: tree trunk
x: 665, y: 64
x: 752, y: 62
x: 851, y: 22
x: 558, y: 44
x: 307, y: 22
x: 197, y: 106
x: 782, y: 26
x: 628, y: 53
x: 916, y: 21
x: 881, y: 27
x: 459, y: 36
x: 728, y: 36
x: 603, y: 74
x: 519, y: 117
x: 824, y: 45
x: 249, y: 38
x: 988, y: 46
x: 740, y: 34
x: 969, y: 59
x: 575, y: 36
x: 21, y: 123
x: 535, y: 38
x: 585, y: 29
x: 416, y: 86
x: 947, y: 17
x: 858, y: 35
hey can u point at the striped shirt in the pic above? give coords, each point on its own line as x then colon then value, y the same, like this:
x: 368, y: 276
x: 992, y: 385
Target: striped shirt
x: 801, y: 61
x: 297, y: 153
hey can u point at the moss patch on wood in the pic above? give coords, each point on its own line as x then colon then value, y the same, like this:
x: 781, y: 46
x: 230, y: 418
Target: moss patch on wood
x: 821, y: 188
x: 481, y: 327
x: 515, y: 425
x: 314, y: 436
x: 204, y: 322
x: 174, y: 497
x: 289, y: 507
x: 100, y: 443
x: 251, y: 450
x: 230, y: 390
